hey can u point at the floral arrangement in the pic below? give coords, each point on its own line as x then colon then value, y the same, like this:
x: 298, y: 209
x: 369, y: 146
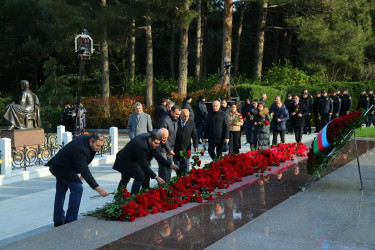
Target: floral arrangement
x: 264, y: 123
x: 237, y: 119
x: 198, y: 184
x: 338, y: 134
x: 250, y: 115
x: 271, y: 115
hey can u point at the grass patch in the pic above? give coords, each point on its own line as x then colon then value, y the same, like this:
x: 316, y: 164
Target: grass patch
x: 365, y: 132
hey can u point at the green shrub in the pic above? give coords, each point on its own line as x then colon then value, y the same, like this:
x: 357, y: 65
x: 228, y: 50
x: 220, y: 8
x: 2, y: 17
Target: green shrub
x: 285, y: 75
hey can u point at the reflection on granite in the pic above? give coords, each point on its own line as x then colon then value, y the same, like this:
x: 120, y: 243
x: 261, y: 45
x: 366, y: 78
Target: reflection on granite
x: 201, y: 226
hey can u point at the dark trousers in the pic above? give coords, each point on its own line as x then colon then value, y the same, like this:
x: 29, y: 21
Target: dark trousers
x: 200, y: 132
x: 76, y: 190
x: 370, y: 120
x: 317, y: 122
x: 211, y: 150
x: 326, y: 118
x: 298, y: 133
x: 307, y: 128
x: 282, y: 136
x: 182, y: 164
x: 289, y: 125
x: 164, y: 172
x: 234, y: 142
x: 137, y: 184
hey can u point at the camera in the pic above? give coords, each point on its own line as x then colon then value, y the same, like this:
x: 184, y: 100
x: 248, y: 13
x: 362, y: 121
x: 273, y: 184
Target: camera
x: 227, y: 64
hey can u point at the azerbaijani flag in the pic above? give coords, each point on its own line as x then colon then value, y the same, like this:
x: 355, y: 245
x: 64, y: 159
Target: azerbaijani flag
x: 321, y: 143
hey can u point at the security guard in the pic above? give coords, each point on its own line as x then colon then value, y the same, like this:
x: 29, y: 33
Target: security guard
x: 316, y: 102
x: 308, y: 103
x: 336, y: 104
x: 346, y: 103
x: 325, y: 109
x: 371, y: 119
x: 289, y: 105
x: 363, y: 102
x: 305, y: 91
x: 338, y: 93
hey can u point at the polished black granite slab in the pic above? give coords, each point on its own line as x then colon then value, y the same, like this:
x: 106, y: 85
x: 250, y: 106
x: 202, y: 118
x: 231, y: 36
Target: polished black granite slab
x: 207, y: 223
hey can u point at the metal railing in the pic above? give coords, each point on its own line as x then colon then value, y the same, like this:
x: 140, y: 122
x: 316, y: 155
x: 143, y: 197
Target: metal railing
x: 23, y: 157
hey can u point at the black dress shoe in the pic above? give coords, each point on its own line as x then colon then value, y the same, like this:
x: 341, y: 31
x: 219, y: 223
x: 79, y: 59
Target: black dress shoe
x: 57, y: 224
x: 66, y: 221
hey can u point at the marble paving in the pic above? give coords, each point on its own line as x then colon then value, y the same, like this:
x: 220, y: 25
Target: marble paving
x: 253, y: 214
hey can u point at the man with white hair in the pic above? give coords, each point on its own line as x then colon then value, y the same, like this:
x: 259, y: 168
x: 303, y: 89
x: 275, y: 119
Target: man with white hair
x: 216, y: 131
x: 165, y: 150
x: 139, y: 122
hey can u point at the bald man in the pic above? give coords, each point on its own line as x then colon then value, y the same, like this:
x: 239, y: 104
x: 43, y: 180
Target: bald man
x: 165, y: 149
x: 216, y: 131
x: 186, y: 132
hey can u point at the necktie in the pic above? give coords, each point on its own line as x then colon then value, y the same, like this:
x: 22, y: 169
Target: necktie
x: 183, y: 125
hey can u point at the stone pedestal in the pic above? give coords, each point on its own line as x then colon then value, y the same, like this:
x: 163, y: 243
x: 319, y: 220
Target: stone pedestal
x: 24, y: 137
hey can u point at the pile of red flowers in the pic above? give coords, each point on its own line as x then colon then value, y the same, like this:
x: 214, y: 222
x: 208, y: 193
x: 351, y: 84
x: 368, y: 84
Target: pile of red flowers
x: 200, y: 183
x: 337, y: 131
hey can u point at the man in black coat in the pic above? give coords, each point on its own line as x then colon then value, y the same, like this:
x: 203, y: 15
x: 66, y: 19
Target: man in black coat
x: 289, y: 105
x: 170, y: 122
x: 216, y: 130
x: 200, y: 117
x: 307, y: 101
x: 186, y: 104
x: 336, y: 104
x: 133, y: 161
x: 363, y: 102
x: 346, y: 103
x: 298, y: 118
x: 325, y: 109
x: 160, y: 110
x: 71, y: 160
x: 185, y: 133
x: 371, y: 119
x: 316, y: 103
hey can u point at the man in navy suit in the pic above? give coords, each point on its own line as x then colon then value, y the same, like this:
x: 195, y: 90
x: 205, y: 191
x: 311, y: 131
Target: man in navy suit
x: 185, y: 133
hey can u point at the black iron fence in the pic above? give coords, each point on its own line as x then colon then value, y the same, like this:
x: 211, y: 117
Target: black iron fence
x: 23, y: 157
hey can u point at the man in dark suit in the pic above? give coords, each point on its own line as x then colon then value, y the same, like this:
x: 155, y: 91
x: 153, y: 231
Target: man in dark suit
x: 160, y: 110
x: 71, y: 160
x: 216, y: 131
x: 185, y: 133
x: 298, y: 118
x: 133, y: 161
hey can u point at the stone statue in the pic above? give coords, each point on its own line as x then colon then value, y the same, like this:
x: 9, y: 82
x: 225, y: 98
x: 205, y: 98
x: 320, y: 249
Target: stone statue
x: 27, y: 113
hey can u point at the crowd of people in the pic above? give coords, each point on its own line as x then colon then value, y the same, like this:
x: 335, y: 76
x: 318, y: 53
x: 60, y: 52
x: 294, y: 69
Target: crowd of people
x: 181, y: 129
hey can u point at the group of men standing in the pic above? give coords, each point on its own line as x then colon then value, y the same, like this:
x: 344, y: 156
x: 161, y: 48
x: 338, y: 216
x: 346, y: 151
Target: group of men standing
x: 322, y: 108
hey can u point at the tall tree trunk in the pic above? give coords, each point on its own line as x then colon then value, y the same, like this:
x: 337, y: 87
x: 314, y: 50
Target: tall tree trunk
x: 259, y: 49
x: 227, y: 37
x: 239, y: 33
x: 149, y: 64
x: 171, y: 44
x: 105, y: 73
x: 289, y: 44
x: 183, y: 57
x: 199, y: 42
x: 105, y: 68
x: 132, y: 57
x: 275, y: 55
x: 204, y: 40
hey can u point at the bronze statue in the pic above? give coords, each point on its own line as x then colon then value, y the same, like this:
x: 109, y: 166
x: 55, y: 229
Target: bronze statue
x: 27, y: 113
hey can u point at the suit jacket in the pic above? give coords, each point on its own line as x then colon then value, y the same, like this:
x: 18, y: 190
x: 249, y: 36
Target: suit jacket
x: 136, y: 156
x: 185, y: 135
x: 300, y: 121
x: 141, y: 126
x: 172, y: 126
x: 73, y: 159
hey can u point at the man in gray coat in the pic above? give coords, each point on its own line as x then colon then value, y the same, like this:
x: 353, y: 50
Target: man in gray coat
x: 169, y: 122
x: 139, y: 122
